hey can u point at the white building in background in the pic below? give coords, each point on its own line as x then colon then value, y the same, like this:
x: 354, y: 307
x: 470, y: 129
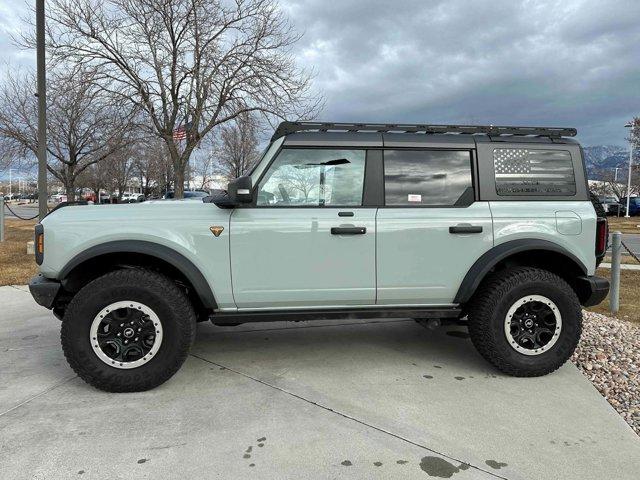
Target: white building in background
x: 215, y: 182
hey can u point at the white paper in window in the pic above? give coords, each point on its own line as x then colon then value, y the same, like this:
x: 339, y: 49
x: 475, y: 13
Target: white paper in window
x: 414, y: 197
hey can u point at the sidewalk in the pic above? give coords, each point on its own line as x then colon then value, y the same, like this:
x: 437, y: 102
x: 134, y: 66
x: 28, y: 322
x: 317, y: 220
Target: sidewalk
x: 374, y: 399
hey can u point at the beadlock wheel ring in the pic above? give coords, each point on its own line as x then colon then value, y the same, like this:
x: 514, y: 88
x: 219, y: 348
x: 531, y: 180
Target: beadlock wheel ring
x: 126, y: 327
x: 533, y: 325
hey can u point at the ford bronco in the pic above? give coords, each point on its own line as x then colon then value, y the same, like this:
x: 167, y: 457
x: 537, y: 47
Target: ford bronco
x: 431, y: 222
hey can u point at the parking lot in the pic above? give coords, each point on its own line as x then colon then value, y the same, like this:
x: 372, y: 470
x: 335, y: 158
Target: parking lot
x: 373, y: 399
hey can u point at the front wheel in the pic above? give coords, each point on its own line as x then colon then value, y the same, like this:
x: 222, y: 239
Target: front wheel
x: 525, y: 321
x: 129, y: 330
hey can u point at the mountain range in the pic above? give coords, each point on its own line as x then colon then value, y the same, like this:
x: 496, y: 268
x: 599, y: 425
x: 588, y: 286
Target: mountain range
x: 601, y: 159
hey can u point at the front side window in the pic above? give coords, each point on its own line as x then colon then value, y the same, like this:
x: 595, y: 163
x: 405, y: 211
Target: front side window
x: 314, y: 178
x: 426, y: 177
x: 523, y: 171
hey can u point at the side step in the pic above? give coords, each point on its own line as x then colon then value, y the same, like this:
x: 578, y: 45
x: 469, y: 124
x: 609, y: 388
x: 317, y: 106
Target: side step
x: 331, y: 314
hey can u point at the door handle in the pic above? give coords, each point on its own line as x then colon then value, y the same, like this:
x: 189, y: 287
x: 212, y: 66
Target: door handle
x: 348, y: 230
x: 466, y: 229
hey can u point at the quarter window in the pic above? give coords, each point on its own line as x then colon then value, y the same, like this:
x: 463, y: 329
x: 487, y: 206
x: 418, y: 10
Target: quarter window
x: 523, y: 171
x: 426, y: 177
x: 314, y: 178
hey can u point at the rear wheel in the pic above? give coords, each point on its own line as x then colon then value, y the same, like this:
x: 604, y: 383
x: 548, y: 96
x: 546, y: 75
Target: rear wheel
x: 129, y: 330
x: 525, y: 321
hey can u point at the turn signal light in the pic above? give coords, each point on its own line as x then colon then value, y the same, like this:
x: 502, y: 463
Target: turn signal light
x: 40, y: 244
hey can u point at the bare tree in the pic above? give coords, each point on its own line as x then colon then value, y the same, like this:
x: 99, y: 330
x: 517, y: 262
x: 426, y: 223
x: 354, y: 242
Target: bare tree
x: 202, y: 171
x: 236, y: 149
x: 120, y: 167
x: 150, y: 162
x: 96, y: 177
x: 84, y: 125
x: 189, y: 64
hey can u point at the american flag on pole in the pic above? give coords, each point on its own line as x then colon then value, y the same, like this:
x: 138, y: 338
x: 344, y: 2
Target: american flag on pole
x: 180, y: 133
x: 521, y: 171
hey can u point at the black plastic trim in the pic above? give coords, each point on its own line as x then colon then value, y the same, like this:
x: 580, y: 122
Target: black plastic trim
x: 327, y: 314
x: 348, y: 230
x: 489, y: 260
x: 465, y: 229
x: 177, y: 260
x: 591, y: 290
x: 44, y: 290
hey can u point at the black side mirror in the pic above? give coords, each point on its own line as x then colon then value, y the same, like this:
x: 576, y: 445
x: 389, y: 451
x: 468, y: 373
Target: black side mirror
x: 240, y: 190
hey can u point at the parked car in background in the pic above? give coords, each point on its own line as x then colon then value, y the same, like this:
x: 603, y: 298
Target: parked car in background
x: 634, y: 205
x: 612, y: 206
x: 132, y: 197
x: 188, y: 195
x: 59, y: 198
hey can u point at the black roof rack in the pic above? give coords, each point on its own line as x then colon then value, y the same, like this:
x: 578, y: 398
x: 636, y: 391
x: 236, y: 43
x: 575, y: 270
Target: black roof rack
x: 285, y: 128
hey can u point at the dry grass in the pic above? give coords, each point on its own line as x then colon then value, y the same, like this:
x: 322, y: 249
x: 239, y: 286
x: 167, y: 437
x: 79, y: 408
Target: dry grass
x: 624, y: 225
x: 16, y: 267
x: 629, y: 295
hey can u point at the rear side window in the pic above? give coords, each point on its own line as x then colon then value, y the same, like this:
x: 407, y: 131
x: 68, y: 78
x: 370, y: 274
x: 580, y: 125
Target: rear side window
x: 523, y: 171
x: 426, y: 177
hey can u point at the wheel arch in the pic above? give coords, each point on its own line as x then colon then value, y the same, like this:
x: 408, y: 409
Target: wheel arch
x: 525, y: 252
x: 109, y: 256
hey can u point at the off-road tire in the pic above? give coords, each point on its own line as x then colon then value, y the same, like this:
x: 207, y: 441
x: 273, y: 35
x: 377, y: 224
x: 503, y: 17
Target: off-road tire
x: 150, y: 288
x: 489, y: 307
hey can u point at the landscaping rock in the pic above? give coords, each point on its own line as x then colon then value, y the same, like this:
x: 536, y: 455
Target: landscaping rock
x: 609, y: 356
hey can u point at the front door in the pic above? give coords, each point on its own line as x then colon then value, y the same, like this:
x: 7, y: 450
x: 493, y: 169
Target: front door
x: 307, y: 242
x: 430, y: 231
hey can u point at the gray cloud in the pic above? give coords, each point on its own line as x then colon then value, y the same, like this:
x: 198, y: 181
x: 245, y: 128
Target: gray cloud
x: 570, y: 63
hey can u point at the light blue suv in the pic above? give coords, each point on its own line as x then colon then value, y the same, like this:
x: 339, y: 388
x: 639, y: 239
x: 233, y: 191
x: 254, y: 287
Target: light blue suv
x: 339, y: 220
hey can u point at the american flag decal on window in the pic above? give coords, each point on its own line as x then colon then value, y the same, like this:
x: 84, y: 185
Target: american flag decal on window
x: 521, y: 171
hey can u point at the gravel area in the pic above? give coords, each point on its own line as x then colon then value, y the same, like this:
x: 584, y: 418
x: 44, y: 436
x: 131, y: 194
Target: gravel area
x: 609, y: 355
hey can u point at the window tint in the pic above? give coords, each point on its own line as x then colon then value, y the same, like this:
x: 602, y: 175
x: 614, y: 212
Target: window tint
x: 413, y: 177
x: 314, y: 177
x: 521, y: 171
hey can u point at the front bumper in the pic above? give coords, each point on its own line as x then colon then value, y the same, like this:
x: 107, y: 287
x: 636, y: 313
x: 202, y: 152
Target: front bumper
x: 592, y: 290
x: 44, y: 290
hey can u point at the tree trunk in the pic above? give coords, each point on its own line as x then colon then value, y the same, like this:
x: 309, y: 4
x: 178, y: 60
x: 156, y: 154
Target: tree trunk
x: 179, y: 183
x: 70, y: 187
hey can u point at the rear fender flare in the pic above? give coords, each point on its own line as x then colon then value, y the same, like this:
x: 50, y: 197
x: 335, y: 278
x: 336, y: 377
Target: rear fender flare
x: 491, y: 258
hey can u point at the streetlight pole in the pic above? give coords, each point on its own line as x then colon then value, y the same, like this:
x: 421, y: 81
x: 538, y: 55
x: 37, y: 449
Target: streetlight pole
x: 42, y: 111
x: 626, y: 214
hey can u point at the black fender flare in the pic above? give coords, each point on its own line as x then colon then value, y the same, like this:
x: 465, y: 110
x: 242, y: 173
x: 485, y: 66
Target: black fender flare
x: 161, y: 252
x: 490, y: 259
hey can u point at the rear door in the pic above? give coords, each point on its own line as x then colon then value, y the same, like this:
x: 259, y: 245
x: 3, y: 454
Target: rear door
x: 430, y: 230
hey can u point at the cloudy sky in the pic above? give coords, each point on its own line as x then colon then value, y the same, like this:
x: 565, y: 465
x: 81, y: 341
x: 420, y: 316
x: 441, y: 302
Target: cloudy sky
x: 561, y: 63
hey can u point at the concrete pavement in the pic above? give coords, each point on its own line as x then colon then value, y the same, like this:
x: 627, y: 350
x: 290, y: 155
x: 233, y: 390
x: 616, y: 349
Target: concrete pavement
x: 373, y: 399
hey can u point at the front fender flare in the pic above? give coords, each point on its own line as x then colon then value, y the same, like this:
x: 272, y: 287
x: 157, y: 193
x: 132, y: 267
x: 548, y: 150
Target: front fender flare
x: 491, y: 258
x: 161, y: 252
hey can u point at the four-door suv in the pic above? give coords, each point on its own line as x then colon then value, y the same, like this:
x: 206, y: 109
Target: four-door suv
x: 338, y: 220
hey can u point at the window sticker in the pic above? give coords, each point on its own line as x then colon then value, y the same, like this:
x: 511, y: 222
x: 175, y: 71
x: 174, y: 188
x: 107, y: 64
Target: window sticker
x: 520, y: 171
x: 413, y: 197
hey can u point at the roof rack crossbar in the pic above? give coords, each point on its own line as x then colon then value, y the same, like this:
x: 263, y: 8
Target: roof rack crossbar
x: 286, y: 128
